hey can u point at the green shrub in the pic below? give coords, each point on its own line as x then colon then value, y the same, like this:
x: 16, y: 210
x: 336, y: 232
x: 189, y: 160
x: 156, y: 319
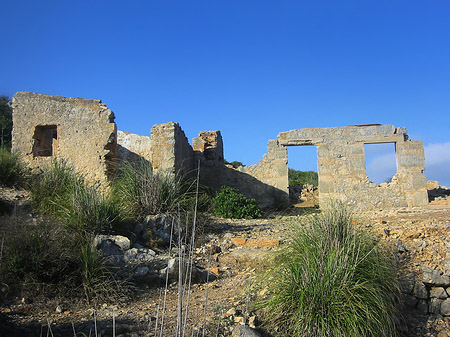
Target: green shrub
x: 228, y: 203
x: 48, y: 260
x: 303, y: 178
x: 139, y: 192
x: 331, y: 280
x: 40, y: 257
x: 234, y: 163
x: 12, y: 170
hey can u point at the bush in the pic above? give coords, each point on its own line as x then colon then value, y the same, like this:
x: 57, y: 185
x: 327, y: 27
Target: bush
x: 297, y: 178
x: 39, y: 257
x: 12, y: 170
x: 48, y: 259
x: 331, y: 280
x: 139, y: 192
x: 228, y: 203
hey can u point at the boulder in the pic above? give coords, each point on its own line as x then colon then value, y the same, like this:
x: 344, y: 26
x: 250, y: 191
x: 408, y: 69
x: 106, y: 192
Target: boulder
x: 244, y: 331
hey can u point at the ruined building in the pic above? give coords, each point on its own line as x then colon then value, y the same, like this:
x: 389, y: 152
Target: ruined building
x: 83, y: 131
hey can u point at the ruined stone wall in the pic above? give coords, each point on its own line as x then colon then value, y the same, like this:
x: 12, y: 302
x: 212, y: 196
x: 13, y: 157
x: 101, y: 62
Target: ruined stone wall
x: 170, y: 149
x: 80, y: 130
x: 266, y: 182
x: 341, y: 165
x: 272, y: 172
x: 133, y: 147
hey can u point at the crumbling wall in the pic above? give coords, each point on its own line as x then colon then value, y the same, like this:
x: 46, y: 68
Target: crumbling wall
x: 80, y: 130
x: 133, y: 147
x: 266, y: 181
x: 342, y: 171
x: 170, y: 149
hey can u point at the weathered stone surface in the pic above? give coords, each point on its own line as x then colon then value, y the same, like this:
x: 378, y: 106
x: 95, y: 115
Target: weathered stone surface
x: 244, y: 331
x: 435, y: 306
x: 341, y: 164
x: 438, y: 292
x: 133, y: 147
x: 170, y: 149
x: 135, y: 255
x: 434, y: 277
x: 445, y: 307
x: 210, y: 144
x: 80, y: 130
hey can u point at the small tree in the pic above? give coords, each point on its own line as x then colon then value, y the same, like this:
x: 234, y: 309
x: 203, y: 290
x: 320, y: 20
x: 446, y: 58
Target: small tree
x: 5, y: 121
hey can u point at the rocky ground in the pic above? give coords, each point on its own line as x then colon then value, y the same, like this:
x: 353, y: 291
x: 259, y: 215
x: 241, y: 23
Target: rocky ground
x: 232, y: 251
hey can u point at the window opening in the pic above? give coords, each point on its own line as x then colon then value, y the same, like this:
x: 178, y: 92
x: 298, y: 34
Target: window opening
x: 45, y: 140
x: 381, y: 162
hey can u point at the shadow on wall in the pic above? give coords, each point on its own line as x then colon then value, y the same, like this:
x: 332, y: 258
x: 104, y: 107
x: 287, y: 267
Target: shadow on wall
x: 123, y: 154
x: 214, y: 176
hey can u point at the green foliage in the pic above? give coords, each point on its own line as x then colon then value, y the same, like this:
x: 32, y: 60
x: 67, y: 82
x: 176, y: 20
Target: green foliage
x: 89, y: 211
x: 51, y: 190
x: 234, y: 163
x: 303, y: 178
x: 37, y: 256
x: 331, y: 280
x: 60, y: 192
x: 229, y: 203
x: 5, y: 121
x: 49, y: 259
x: 12, y: 170
x: 139, y: 192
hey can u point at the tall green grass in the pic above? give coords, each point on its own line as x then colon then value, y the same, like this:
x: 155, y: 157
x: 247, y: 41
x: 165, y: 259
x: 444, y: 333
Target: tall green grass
x: 77, y: 212
x: 60, y: 192
x: 138, y: 191
x: 12, y: 170
x: 331, y: 280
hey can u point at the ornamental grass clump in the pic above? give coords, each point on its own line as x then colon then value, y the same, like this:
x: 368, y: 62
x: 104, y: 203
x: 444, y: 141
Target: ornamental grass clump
x: 332, y: 279
x: 139, y: 191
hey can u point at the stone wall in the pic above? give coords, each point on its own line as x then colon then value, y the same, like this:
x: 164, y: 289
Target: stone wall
x: 170, y: 149
x: 341, y: 165
x: 83, y: 131
x: 266, y: 182
x: 80, y: 130
x: 133, y: 147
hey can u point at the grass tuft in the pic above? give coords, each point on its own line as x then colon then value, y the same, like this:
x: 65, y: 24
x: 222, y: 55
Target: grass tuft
x: 138, y: 191
x: 331, y: 280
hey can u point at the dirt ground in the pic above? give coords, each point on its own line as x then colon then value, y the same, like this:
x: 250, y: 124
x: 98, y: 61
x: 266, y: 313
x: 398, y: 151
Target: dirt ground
x: 420, y: 235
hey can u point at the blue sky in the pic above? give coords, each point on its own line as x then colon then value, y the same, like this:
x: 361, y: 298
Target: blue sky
x: 251, y: 69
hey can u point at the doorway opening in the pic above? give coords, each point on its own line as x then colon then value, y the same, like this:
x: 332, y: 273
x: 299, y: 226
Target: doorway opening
x: 303, y: 176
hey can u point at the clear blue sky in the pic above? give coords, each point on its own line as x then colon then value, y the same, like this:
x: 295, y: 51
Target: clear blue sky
x: 249, y: 68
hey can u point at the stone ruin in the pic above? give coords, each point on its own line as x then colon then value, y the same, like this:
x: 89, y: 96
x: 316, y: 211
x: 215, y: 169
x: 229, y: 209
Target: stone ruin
x: 83, y: 132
